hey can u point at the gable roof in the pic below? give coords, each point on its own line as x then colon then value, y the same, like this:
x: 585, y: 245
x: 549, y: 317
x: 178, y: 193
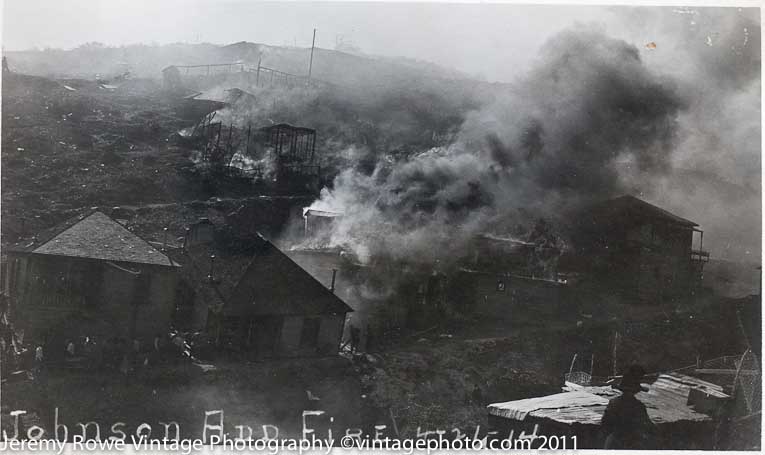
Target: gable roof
x: 97, y: 236
x: 254, y: 277
x: 273, y: 284
x: 629, y: 206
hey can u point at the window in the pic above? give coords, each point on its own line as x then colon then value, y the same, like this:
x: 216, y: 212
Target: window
x: 309, y: 336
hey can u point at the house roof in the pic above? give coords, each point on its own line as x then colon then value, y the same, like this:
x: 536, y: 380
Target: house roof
x: 97, y: 236
x: 666, y: 402
x: 307, y: 211
x: 274, y: 284
x: 256, y: 278
x: 630, y: 207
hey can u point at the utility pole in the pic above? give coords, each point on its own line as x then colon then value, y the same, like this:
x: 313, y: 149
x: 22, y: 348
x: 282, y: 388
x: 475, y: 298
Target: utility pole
x: 313, y: 45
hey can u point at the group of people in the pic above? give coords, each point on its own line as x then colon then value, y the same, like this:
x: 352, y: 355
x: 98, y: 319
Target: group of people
x: 116, y: 353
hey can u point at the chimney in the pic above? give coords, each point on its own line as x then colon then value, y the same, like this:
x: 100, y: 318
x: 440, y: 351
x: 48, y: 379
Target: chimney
x: 332, y: 286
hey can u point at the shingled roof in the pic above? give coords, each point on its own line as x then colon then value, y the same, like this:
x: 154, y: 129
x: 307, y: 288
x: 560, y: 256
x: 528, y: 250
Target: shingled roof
x: 96, y: 236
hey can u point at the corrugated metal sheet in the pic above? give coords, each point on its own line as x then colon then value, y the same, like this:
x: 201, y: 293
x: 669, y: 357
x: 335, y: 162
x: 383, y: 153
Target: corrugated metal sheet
x: 578, y: 406
x: 666, y: 402
x: 320, y: 213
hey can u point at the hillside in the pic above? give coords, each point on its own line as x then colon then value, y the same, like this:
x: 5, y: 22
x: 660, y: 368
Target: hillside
x: 69, y: 143
x: 146, y: 61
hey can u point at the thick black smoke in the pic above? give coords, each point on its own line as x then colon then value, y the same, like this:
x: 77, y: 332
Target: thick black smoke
x: 715, y: 54
x: 588, y: 106
x: 560, y: 136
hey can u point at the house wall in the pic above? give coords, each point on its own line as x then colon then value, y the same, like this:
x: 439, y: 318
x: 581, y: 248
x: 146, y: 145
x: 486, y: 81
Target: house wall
x: 64, y: 296
x: 658, y: 268
x: 330, y: 331
x: 647, y: 262
x: 289, y: 342
x: 664, y: 265
x: 327, y: 341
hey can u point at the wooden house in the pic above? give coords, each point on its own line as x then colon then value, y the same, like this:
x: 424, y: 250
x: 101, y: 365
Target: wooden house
x: 639, y: 251
x: 90, y: 276
x: 252, y: 298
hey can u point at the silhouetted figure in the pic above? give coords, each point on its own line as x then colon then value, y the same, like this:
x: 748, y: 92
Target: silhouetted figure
x: 5, y: 66
x: 355, y: 338
x: 39, y: 354
x: 626, y: 423
x: 476, y: 395
x: 70, y: 348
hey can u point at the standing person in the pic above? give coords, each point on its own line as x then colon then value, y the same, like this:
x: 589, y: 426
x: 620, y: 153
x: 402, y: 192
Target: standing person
x: 626, y: 423
x: 89, y: 350
x: 40, y: 373
x: 39, y: 354
x: 156, y: 349
x: 355, y: 338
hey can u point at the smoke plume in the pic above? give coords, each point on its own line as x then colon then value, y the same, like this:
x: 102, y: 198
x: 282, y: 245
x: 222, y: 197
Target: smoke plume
x: 558, y: 137
x: 715, y: 54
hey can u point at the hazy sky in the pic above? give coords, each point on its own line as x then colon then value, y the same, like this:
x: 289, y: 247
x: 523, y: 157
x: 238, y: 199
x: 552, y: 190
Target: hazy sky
x: 488, y: 40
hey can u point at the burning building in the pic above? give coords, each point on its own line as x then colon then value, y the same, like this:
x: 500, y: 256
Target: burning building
x: 502, y: 278
x: 639, y: 252
x: 90, y: 276
x: 317, y: 224
x: 282, y: 154
x: 294, y: 148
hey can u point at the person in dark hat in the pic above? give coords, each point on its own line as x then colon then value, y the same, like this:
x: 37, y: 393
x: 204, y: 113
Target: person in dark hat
x: 626, y: 423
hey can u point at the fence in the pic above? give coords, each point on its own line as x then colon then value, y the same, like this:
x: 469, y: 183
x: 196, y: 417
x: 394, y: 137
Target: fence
x: 260, y: 76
